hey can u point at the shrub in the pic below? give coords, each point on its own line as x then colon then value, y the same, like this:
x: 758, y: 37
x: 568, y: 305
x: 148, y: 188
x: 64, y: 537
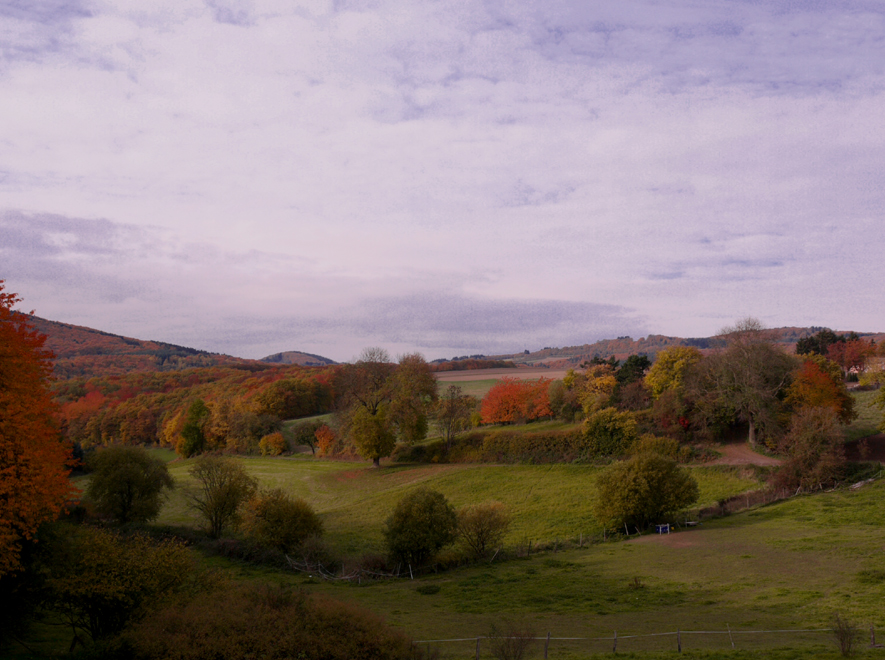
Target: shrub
x: 609, y: 432
x: 667, y: 447
x: 127, y: 483
x: 846, y: 634
x: 642, y: 490
x: 481, y: 527
x: 100, y: 581
x: 422, y: 523
x: 326, y: 441
x: 254, y: 621
x: 272, y: 445
x: 815, y: 449
x: 223, y: 486
x: 511, y: 640
x: 275, y: 520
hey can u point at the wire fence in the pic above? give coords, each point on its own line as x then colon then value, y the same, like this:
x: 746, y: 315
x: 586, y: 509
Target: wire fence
x: 618, y: 642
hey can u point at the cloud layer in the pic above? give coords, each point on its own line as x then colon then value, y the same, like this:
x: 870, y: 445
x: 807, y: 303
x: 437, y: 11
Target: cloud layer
x: 441, y: 176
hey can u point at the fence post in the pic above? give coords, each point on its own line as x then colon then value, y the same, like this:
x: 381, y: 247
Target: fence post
x: 546, y: 645
x: 477, y: 648
x: 731, y: 639
x: 678, y: 641
x: 615, y: 646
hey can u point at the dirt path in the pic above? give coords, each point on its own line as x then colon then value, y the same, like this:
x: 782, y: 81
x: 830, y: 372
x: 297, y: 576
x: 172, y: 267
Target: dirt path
x: 739, y: 453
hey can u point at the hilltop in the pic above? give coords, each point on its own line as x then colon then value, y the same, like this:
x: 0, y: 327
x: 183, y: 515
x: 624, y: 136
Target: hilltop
x: 623, y: 347
x: 299, y: 358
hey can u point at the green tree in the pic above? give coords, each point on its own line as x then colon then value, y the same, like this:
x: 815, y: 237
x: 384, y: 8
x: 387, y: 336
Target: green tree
x: 746, y: 382
x: 99, y: 581
x: 642, y: 490
x: 453, y: 410
x: 193, y: 438
x: 819, y: 343
x: 223, y: 487
x: 276, y: 520
x: 127, y: 483
x: 380, y: 400
x: 421, y: 525
x: 633, y: 369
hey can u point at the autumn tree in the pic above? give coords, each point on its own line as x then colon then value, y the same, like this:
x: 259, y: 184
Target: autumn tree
x: 815, y: 450
x: 818, y: 383
x: 33, y: 461
x: 669, y: 369
x: 127, y: 483
x: 851, y: 354
x: 453, y: 411
x: 512, y: 400
x: 380, y: 401
x: 193, y: 437
x: 223, y: 487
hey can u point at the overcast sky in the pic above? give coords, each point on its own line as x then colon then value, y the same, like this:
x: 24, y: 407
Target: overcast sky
x: 443, y: 176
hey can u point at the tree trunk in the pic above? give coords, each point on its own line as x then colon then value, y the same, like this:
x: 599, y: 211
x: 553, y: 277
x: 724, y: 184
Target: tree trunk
x: 376, y: 462
x: 752, y: 435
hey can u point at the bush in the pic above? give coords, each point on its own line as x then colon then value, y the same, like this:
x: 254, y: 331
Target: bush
x: 642, y: 490
x: 99, y: 581
x: 609, y: 432
x: 275, y: 520
x: 127, y: 484
x: 254, y: 621
x: 481, y: 527
x: 511, y: 640
x: 815, y: 449
x: 422, y: 523
x: 667, y: 447
x: 272, y: 445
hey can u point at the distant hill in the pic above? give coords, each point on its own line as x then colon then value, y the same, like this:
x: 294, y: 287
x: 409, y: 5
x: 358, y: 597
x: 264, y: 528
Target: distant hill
x: 297, y: 357
x: 623, y: 347
x: 84, y: 352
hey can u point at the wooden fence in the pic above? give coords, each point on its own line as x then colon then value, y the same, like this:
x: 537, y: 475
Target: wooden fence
x: 677, y: 640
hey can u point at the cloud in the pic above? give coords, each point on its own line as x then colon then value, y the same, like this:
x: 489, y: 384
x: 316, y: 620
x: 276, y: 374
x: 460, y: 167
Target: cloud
x: 182, y: 164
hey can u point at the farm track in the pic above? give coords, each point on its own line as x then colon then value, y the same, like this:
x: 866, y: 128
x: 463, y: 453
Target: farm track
x: 739, y: 453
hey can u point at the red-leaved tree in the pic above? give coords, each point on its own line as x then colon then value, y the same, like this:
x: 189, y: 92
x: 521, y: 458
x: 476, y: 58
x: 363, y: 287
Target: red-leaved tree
x: 33, y: 461
x: 512, y: 400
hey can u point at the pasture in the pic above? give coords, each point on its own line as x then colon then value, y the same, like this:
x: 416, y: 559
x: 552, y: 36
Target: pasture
x: 547, y: 502
x: 789, y: 565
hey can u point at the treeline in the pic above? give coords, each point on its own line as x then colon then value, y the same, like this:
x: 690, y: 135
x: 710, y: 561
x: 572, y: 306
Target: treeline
x: 468, y: 364
x: 85, y: 353
x: 233, y: 407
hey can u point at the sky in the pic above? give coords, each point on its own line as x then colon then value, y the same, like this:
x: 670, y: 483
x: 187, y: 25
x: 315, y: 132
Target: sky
x: 447, y: 177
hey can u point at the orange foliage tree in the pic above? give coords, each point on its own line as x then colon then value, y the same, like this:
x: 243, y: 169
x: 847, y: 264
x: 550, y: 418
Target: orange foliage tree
x: 818, y: 384
x: 33, y: 461
x: 513, y: 400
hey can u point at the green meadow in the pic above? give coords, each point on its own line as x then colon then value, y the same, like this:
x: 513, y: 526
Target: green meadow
x: 547, y: 502
x: 785, y: 566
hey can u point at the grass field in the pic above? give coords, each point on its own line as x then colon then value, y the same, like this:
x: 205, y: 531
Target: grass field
x: 790, y: 565
x: 869, y: 416
x: 547, y: 502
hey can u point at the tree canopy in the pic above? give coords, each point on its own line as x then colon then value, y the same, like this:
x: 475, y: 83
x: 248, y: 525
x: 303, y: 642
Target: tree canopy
x: 33, y: 460
x: 127, y: 483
